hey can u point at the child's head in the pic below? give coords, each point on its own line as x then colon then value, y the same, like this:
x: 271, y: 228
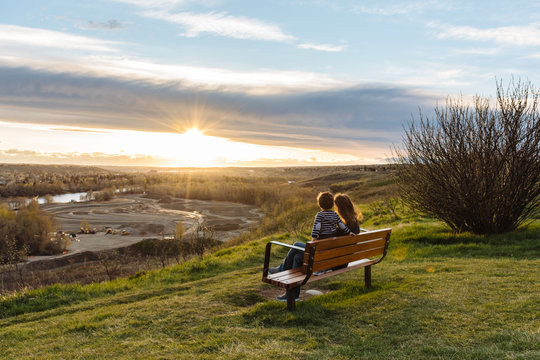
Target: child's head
x: 325, y: 200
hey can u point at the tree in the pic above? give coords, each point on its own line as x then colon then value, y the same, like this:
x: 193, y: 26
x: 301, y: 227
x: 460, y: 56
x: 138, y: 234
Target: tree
x: 202, y: 239
x: 33, y: 229
x: 179, y: 231
x: 476, y: 167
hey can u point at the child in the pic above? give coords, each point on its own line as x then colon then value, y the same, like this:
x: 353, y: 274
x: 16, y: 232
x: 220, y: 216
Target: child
x: 327, y: 222
x: 325, y: 226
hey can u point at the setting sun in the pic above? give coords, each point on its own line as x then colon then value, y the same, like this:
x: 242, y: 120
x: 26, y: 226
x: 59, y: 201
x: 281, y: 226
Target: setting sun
x: 124, y: 147
x: 193, y: 133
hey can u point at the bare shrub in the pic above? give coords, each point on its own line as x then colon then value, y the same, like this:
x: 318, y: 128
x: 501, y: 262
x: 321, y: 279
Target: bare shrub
x: 111, y: 262
x: 384, y: 207
x: 202, y: 239
x: 476, y: 167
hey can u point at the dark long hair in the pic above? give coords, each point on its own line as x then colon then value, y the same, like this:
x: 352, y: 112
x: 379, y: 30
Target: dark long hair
x: 345, y: 209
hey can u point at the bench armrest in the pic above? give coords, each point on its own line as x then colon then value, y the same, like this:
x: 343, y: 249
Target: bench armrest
x: 288, y: 245
x: 267, y: 254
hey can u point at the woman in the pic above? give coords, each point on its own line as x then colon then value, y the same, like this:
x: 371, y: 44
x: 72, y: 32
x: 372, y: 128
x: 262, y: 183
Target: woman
x: 347, y: 212
x: 349, y: 215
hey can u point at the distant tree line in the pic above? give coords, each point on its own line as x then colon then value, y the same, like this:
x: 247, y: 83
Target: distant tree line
x: 27, y: 186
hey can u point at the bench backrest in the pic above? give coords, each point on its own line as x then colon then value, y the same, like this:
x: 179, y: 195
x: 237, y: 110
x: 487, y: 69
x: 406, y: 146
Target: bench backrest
x: 342, y: 250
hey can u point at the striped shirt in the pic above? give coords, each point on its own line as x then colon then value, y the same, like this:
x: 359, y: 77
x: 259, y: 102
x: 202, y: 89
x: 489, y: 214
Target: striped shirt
x: 326, y: 224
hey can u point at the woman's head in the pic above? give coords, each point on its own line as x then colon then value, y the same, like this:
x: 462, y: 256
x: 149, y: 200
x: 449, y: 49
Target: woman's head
x: 345, y: 209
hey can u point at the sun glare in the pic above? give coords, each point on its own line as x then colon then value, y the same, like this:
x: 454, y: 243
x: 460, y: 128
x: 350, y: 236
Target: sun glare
x: 192, y: 148
x: 193, y: 132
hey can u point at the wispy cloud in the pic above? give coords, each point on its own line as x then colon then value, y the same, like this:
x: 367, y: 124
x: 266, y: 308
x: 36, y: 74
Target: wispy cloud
x: 54, y: 51
x: 154, y: 3
x: 80, y: 130
x: 11, y: 35
x: 399, y: 7
x: 258, y: 81
x: 507, y: 35
x: 95, y: 158
x: 222, y: 24
x: 477, y: 51
x: 438, y: 73
x: 111, y: 24
x: 533, y: 56
x: 322, y: 47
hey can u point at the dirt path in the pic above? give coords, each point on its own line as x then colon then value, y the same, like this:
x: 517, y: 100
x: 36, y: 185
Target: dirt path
x: 144, y: 218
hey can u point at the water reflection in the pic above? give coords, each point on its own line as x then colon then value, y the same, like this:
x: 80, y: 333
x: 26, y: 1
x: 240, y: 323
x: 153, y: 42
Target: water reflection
x: 65, y: 198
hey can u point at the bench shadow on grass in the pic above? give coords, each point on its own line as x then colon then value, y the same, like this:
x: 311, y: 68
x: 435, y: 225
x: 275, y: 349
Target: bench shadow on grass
x: 324, y: 310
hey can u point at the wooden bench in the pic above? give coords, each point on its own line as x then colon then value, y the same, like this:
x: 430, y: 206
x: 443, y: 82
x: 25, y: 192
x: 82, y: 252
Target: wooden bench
x: 359, y: 251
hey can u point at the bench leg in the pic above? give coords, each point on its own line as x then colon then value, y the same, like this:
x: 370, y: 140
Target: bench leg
x: 291, y: 301
x: 367, y: 276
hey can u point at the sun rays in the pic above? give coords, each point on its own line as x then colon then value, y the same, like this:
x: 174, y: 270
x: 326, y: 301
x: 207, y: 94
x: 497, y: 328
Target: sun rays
x: 188, y: 148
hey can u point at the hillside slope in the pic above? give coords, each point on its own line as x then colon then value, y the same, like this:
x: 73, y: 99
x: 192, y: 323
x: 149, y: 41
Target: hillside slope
x: 437, y: 295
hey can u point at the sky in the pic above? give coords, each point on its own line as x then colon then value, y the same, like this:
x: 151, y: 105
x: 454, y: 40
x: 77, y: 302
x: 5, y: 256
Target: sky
x: 245, y: 83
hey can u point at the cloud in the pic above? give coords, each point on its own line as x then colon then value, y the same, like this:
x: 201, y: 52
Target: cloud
x: 18, y: 36
x: 260, y: 80
x: 154, y: 3
x: 507, y: 35
x: 111, y: 24
x: 477, y: 51
x: 67, y: 53
x: 53, y: 58
x: 80, y: 130
x: 96, y: 158
x: 533, y: 56
x: 222, y: 24
x: 399, y: 7
x: 323, y: 47
x: 346, y: 120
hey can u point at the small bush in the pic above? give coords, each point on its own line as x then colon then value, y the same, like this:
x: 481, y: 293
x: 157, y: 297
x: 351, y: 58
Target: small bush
x: 105, y: 194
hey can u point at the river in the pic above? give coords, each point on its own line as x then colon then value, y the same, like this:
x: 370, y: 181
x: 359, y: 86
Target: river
x: 65, y: 198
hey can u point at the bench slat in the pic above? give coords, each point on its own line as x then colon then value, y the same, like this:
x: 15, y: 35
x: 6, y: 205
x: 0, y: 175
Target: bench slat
x: 295, y: 280
x: 287, y: 278
x: 349, y: 240
x: 327, y: 264
x: 288, y: 284
x: 350, y: 249
x: 284, y: 275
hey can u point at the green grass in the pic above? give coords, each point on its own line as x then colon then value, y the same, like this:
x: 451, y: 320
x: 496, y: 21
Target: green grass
x: 437, y: 295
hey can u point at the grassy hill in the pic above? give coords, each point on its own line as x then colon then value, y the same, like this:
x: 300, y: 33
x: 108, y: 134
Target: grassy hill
x: 436, y: 296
